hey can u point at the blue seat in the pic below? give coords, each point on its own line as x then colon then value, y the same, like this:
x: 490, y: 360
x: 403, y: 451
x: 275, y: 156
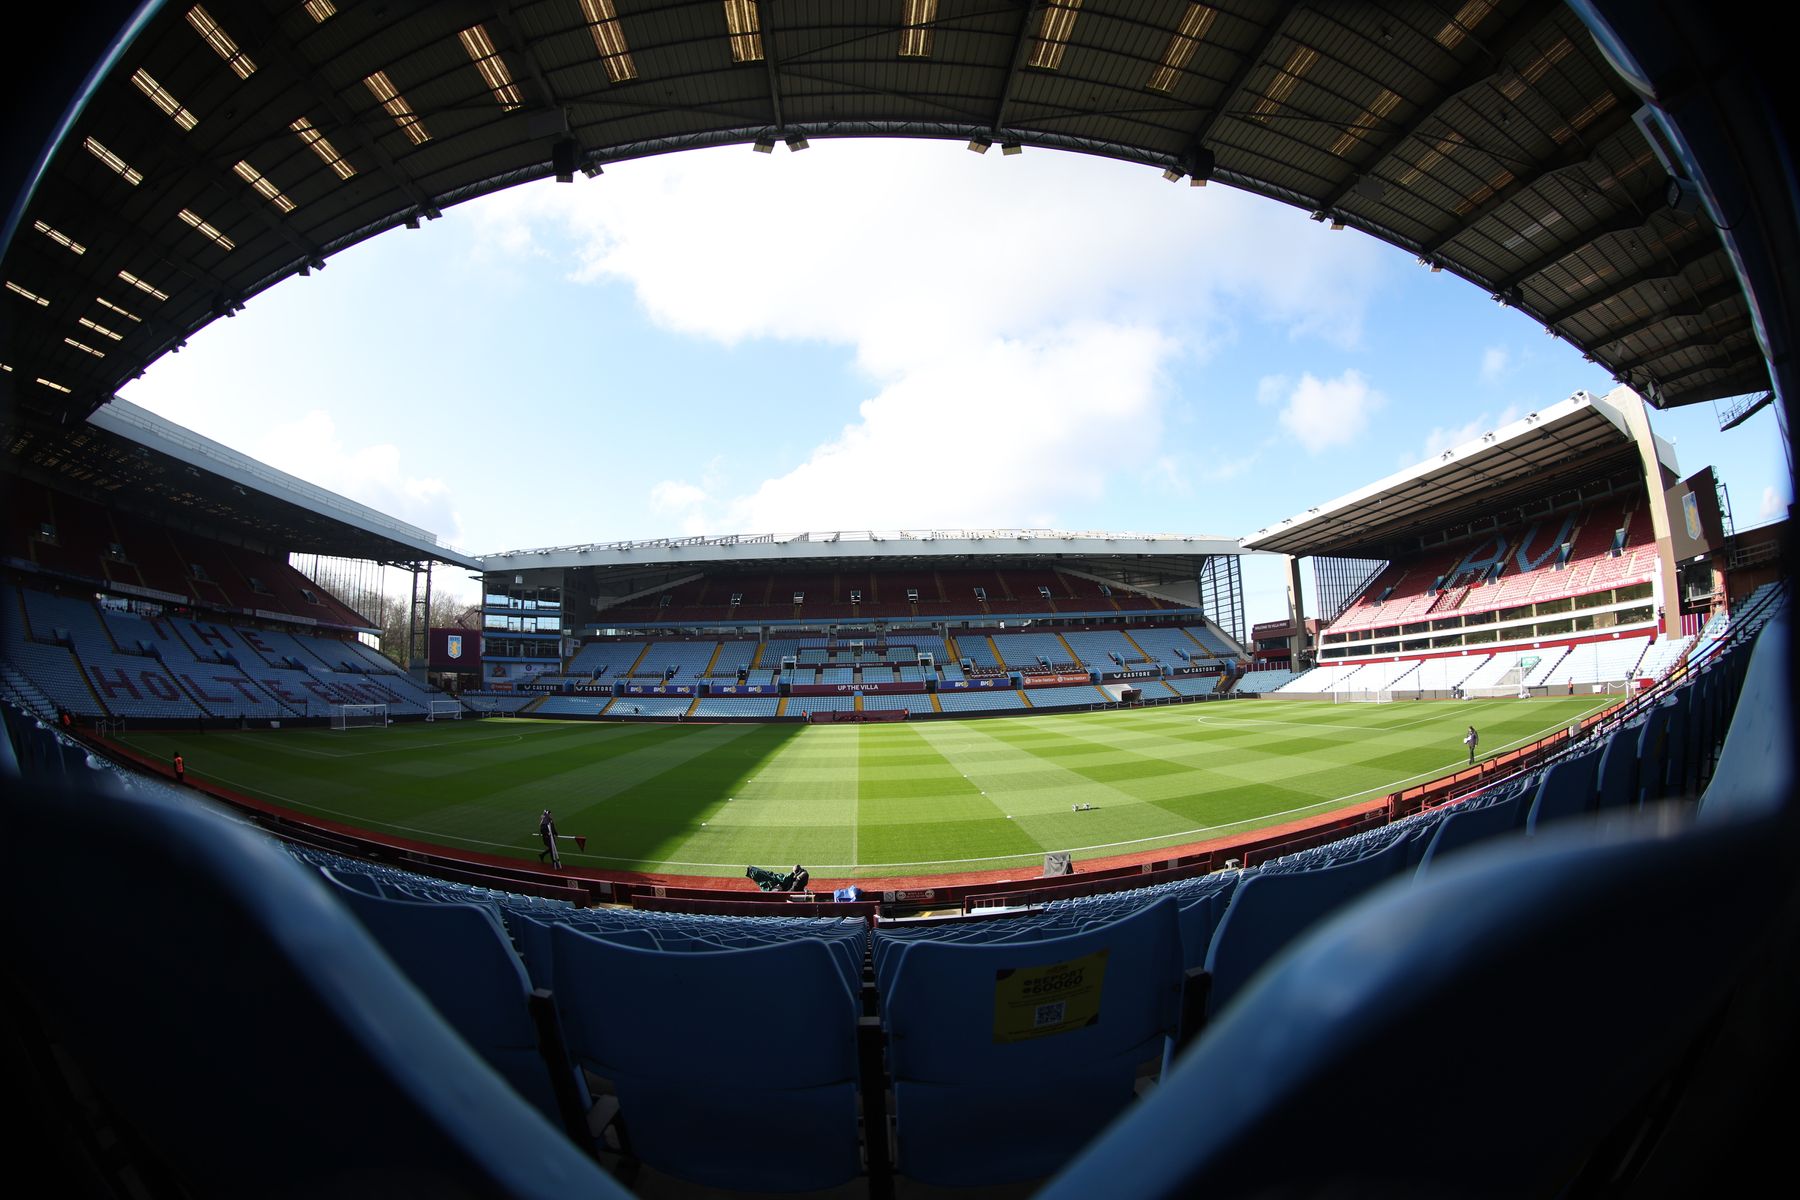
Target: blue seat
x: 459, y: 956
x: 1756, y: 763
x: 1565, y: 789
x: 1653, y: 755
x: 1410, y: 1002
x: 240, y: 1021
x: 733, y: 1068
x: 1471, y: 824
x: 1269, y: 910
x: 1617, y: 772
x: 1199, y: 919
x: 1006, y: 1057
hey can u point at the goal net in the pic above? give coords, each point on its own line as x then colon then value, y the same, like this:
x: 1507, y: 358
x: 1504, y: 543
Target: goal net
x: 444, y: 710
x: 358, y: 716
x: 1363, y: 696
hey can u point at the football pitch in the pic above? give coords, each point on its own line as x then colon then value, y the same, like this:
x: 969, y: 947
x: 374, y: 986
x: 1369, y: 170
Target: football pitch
x: 862, y: 801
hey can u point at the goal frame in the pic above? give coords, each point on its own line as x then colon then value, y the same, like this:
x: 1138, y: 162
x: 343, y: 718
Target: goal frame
x: 443, y: 710
x: 1362, y: 696
x: 360, y: 716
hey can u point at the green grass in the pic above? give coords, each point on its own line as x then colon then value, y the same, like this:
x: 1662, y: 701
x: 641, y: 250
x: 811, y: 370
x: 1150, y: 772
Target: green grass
x: 862, y: 800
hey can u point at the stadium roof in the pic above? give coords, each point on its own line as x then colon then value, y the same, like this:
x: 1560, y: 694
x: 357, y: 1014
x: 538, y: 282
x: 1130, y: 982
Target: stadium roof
x: 229, y: 146
x: 136, y: 460
x: 1575, y: 448
x: 1143, y: 558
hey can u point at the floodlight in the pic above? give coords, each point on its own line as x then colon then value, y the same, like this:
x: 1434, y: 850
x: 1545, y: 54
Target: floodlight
x: 1011, y: 148
x: 763, y: 146
x: 1171, y: 174
x: 797, y: 143
x: 979, y: 145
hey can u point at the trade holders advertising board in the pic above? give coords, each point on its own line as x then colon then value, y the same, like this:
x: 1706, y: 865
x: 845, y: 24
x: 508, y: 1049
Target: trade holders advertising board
x: 1059, y: 679
x: 845, y: 689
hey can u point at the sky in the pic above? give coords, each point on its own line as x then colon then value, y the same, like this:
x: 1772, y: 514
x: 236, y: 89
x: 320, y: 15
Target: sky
x: 879, y: 335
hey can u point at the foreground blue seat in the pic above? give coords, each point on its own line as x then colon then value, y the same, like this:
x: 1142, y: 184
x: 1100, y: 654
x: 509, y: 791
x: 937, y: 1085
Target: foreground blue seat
x: 241, y: 1022
x: 1269, y: 910
x: 1470, y: 824
x: 733, y: 1068
x: 1006, y: 1057
x: 459, y: 956
x: 1410, y: 1003
x: 1617, y: 772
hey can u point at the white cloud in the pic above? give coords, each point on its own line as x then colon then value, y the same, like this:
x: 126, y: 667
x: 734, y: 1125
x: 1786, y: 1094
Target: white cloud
x: 311, y: 448
x: 1008, y: 432
x: 1323, y: 413
x: 1272, y: 389
x: 1016, y: 324
x: 1774, y: 504
x: 1494, y: 362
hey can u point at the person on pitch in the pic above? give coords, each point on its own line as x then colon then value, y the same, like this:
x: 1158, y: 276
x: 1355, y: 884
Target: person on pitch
x: 798, y: 880
x: 1471, y: 740
x: 180, y: 765
x: 547, y: 831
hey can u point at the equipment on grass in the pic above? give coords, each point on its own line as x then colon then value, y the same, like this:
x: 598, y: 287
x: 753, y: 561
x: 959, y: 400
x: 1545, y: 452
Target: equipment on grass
x: 768, y: 881
x: 444, y: 710
x: 359, y: 716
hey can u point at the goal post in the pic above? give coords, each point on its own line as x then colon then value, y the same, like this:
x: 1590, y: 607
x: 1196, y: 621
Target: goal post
x: 1363, y: 696
x: 359, y: 716
x: 444, y: 710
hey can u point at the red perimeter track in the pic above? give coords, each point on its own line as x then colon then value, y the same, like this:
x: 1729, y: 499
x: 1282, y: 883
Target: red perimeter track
x: 585, y: 885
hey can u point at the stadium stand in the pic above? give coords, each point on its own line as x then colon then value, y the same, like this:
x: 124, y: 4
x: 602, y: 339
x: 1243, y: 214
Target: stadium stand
x: 999, y: 700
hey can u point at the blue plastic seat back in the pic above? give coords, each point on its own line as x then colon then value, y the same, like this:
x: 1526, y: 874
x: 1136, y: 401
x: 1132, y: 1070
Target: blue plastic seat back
x: 733, y: 1068
x: 1617, y: 772
x: 1566, y: 789
x: 460, y: 957
x: 244, y: 1024
x: 1469, y: 826
x: 1653, y: 755
x: 1269, y: 910
x: 1007, y: 1056
x: 1199, y: 919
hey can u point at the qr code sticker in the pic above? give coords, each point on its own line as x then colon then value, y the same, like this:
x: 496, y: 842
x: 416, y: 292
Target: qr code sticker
x: 1049, y: 1014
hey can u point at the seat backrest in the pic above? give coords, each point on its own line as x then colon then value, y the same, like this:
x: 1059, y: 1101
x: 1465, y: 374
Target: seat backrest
x: 1617, y: 772
x: 222, y: 1001
x: 1269, y: 910
x: 940, y: 1006
x: 1468, y: 826
x: 1565, y: 789
x: 460, y: 957
x: 1756, y: 762
x: 733, y: 1068
x: 1007, y: 1056
x: 1653, y: 755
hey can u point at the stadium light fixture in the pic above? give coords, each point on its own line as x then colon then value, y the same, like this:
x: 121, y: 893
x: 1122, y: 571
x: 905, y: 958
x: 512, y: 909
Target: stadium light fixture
x: 412, y: 220
x: 1171, y: 174
x: 592, y: 171
x: 1011, y: 148
x: 1317, y: 214
x: 797, y: 143
x: 763, y: 146
x: 979, y: 145
x: 1337, y: 223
